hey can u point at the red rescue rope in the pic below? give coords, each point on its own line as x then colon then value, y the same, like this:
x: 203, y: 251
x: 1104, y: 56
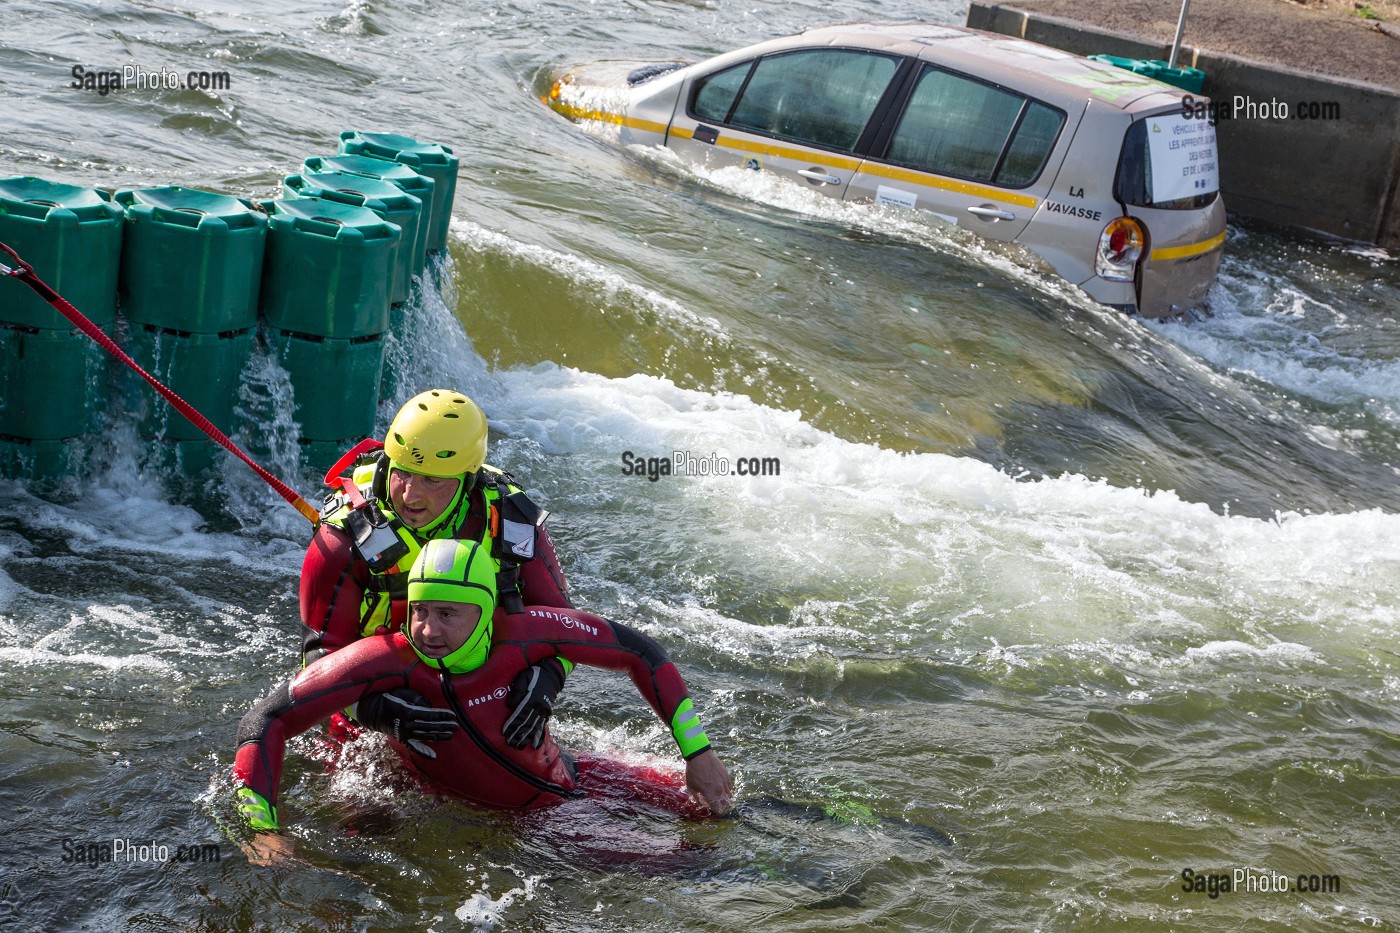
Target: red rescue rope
x: 25, y: 273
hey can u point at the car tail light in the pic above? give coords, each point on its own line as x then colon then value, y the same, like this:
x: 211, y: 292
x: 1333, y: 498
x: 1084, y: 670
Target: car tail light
x: 1120, y: 248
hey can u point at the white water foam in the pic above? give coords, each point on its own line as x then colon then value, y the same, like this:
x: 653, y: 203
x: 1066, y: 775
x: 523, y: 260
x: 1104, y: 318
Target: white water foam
x: 484, y: 912
x: 1313, y: 344
x: 1277, y: 347
x: 920, y: 543
x: 909, y: 536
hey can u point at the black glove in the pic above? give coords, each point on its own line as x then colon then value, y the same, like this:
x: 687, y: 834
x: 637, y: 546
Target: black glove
x: 405, y: 715
x: 531, y: 700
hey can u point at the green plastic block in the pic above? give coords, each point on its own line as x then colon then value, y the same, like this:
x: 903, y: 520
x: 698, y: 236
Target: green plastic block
x: 191, y: 260
x: 431, y: 159
x: 328, y: 268
x: 72, y: 237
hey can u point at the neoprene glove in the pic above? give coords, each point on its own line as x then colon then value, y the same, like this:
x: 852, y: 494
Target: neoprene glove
x: 531, y: 699
x: 405, y: 715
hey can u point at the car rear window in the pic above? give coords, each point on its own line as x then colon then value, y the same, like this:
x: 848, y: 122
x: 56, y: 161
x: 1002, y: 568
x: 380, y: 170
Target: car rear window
x: 954, y: 125
x: 824, y: 97
x: 1169, y: 161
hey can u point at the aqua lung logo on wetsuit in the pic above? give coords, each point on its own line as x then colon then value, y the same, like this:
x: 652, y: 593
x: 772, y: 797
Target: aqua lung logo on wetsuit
x: 498, y: 694
x: 569, y: 621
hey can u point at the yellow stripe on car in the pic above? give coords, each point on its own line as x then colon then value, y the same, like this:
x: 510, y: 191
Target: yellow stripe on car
x: 603, y: 116
x: 1190, y: 249
x: 804, y: 155
x: 830, y: 160
x: 869, y: 168
x: 948, y: 184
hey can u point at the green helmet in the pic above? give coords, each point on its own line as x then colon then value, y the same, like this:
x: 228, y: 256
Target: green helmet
x: 455, y: 571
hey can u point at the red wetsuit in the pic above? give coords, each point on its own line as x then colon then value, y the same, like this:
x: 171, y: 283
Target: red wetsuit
x: 476, y: 763
x: 334, y: 580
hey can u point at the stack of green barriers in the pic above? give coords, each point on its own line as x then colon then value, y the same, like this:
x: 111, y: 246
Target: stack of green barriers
x: 54, y: 377
x: 191, y: 264
x: 197, y: 279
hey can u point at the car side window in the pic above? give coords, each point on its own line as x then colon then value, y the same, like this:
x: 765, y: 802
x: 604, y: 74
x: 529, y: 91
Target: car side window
x: 1034, y: 139
x: 714, y: 94
x: 956, y: 126
x: 824, y: 97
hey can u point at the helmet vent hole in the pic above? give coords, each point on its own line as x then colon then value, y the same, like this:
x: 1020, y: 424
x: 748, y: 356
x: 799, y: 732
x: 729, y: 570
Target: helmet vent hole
x: 450, y: 414
x: 446, y: 454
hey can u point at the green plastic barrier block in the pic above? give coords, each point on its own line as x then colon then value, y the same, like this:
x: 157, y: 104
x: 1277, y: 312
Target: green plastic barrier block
x: 335, y: 383
x: 328, y: 268
x: 396, y: 174
x: 395, y: 206
x: 72, y: 237
x: 203, y: 369
x: 44, y: 462
x: 191, y: 260
x: 317, y: 455
x: 184, y: 458
x: 1188, y: 79
x: 431, y: 159
x: 53, y: 382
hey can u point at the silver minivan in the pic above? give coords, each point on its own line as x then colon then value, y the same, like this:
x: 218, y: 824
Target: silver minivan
x: 1110, y: 176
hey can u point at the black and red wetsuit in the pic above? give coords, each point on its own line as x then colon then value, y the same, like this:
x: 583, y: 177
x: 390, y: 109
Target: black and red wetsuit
x: 476, y: 763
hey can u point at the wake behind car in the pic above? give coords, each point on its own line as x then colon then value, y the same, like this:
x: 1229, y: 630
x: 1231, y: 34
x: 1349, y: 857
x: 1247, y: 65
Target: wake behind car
x: 1109, y: 176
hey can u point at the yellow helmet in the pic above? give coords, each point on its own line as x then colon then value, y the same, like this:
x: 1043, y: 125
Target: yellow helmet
x: 439, y: 432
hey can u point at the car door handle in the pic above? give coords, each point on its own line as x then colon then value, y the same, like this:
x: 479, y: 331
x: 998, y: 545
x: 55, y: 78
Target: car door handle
x: 813, y: 174
x: 991, y: 213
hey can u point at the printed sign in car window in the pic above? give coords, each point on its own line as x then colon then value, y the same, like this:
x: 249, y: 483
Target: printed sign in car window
x: 1184, y: 162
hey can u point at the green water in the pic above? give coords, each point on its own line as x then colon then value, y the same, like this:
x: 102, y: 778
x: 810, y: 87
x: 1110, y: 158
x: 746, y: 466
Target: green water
x: 1044, y: 608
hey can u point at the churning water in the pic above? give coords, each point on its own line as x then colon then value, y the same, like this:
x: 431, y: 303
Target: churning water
x: 1044, y: 607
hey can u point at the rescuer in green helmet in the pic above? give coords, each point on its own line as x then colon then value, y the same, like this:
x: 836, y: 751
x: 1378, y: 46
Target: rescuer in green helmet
x: 462, y: 651
x: 428, y: 480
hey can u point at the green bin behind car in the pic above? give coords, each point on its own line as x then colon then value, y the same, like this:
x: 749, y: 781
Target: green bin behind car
x: 396, y: 174
x: 393, y: 205
x: 431, y: 159
x: 1186, y: 78
x: 191, y: 260
x: 72, y: 237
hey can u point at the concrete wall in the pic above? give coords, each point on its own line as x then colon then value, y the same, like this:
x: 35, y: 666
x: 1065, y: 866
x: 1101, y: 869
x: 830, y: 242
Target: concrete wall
x: 1340, y: 177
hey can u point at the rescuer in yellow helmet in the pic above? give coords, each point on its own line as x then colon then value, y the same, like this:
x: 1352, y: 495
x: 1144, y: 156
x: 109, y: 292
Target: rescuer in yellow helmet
x: 427, y: 480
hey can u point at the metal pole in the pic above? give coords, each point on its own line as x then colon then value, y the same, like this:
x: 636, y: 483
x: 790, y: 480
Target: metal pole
x: 1180, y: 28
